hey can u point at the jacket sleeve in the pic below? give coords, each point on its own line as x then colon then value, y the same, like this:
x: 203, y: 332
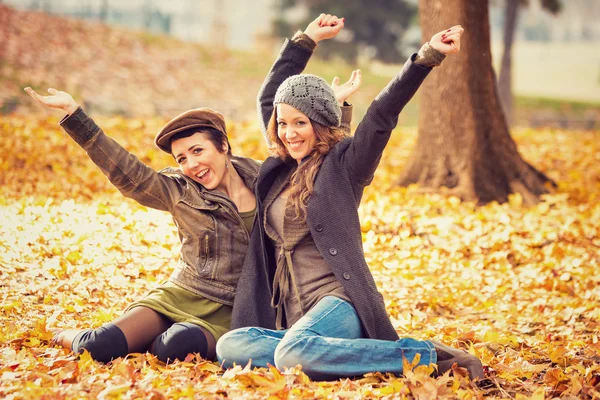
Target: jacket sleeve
x: 362, y: 156
x: 126, y: 172
x: 346, y: 118
x: 292, y: 60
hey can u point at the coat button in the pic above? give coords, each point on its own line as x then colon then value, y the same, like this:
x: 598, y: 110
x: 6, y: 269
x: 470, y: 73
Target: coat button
x: 346, y: 276
x: 333, y: 251
x: 319, y: 228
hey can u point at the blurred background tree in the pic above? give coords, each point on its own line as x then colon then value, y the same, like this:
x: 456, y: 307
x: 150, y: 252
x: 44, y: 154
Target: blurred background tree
x: 104, y: 10
x: 464, y: 143
x: 374, y: 28
x: 511, y: 11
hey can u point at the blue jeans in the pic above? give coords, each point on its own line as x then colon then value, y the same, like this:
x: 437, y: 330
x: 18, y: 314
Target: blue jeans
x: 328, y: 342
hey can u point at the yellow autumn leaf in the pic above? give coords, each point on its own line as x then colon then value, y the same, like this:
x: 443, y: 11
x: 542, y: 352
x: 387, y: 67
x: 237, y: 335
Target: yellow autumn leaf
x: 539, y: 394
x: 85, y: 361
x: 559, y: 356
x: 396, y: 386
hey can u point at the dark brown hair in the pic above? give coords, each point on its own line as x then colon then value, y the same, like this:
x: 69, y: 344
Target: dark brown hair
x: 216, y: 138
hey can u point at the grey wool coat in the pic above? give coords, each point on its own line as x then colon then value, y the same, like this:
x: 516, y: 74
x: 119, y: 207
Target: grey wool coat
x: 332, y: 213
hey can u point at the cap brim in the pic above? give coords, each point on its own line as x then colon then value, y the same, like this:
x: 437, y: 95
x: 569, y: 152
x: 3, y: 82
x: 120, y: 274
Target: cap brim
x: 164, y: 143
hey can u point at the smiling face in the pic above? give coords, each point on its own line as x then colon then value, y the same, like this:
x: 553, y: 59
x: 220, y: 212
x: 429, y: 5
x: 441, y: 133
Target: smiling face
x: 295, y: 131
x: 200, y: 160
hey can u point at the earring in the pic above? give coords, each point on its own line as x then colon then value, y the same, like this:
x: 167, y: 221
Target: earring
x: 226, y: 164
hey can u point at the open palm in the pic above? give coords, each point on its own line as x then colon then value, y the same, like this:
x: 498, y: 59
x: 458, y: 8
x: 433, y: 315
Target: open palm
x: 57, y: 99
x: 344, y: 91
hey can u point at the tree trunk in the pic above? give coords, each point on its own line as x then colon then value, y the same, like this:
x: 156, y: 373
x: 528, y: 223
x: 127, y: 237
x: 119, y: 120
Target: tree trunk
x: 464, y: 143
x: 505, y: 78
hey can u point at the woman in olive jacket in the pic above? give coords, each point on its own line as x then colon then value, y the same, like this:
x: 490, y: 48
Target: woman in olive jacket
x: 210, y: 199
x: 306, y: 294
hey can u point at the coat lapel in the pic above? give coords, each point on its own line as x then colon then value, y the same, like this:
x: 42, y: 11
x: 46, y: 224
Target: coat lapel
x: 267, y: 175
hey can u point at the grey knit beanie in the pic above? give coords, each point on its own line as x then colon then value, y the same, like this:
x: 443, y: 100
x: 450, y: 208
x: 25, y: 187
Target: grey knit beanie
x: 312, y: 96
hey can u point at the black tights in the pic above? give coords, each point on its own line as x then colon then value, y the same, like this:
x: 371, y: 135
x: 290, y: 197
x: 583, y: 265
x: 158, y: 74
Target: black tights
x: 143, y: 329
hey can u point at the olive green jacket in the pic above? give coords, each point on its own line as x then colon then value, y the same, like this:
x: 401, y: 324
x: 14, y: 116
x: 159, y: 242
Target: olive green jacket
x: 212, y: 234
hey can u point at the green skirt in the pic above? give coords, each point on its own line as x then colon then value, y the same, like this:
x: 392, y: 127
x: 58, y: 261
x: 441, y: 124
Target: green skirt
x: 181, y: 305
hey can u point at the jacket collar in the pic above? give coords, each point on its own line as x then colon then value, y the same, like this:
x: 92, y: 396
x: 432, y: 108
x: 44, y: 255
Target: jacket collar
x: 247, y: 168
x: 269, y: 171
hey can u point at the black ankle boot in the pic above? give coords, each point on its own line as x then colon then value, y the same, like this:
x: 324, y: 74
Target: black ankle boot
x: 446, y: 356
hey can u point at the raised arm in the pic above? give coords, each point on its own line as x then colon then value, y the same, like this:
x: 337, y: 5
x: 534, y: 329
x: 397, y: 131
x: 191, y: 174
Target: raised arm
x: 126, y: 172
x: 342, y: 94
x: 372, y: 134
x: 292, y: 60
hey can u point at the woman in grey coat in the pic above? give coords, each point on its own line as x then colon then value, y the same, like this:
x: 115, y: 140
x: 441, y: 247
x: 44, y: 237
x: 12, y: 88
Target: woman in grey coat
x: 306, y: 295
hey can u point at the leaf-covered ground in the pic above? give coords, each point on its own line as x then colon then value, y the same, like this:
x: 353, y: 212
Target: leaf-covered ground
x: 518, y: 287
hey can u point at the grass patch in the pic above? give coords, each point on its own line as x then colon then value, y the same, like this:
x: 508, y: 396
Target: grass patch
x: 559, y: 105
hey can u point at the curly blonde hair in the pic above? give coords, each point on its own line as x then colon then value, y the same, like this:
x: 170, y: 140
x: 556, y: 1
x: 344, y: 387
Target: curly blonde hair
x: 303, y: 179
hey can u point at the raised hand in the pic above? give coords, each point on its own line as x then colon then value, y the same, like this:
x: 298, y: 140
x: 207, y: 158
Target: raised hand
x: 57, y: 99
x: 325, y: 26
x: 343, y: 92
x: 448, y: 41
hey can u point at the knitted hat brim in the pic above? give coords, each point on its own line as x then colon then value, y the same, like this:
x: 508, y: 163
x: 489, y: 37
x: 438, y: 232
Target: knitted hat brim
x: 312, y: 96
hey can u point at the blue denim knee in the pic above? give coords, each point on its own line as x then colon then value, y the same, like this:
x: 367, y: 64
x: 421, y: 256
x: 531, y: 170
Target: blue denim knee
x: 289, y: 352
x: 242, y: 345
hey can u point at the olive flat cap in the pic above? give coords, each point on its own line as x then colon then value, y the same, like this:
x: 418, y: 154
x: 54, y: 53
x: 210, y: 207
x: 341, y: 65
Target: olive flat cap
x: 196, y: 118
